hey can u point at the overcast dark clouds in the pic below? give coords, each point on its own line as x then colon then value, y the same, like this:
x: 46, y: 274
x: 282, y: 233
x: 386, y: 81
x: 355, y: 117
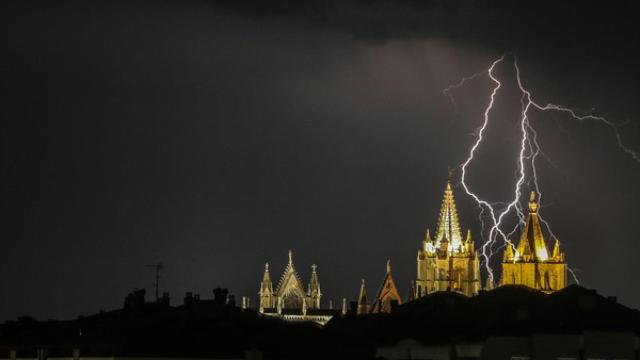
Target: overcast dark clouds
x: 215, y: 136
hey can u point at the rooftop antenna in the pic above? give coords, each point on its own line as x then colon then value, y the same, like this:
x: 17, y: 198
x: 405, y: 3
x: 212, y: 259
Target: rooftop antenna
x: 157, y: 266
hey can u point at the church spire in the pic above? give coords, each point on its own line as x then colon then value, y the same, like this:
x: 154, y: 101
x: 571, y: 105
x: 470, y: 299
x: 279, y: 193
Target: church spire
x: 363, y: 302
x: 448, y: 224
x: 532, y: 245
x: 529, y: 263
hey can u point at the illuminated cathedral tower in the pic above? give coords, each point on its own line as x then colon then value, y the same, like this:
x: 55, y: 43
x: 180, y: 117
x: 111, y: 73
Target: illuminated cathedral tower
x: 448, y: 262
x: 531, y: 264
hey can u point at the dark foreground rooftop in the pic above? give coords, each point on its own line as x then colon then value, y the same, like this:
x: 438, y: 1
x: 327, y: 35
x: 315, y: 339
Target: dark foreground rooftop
x: 207, y: 328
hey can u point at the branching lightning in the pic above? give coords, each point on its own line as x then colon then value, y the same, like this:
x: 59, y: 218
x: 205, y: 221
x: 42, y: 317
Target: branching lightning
x: 528, y: 153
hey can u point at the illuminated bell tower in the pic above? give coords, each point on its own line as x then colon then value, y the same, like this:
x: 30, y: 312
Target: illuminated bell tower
x: 448, y: 262
x: 530, y: 264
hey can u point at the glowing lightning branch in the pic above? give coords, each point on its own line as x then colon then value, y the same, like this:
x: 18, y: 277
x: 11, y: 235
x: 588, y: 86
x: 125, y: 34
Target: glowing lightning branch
x: 529, y: 151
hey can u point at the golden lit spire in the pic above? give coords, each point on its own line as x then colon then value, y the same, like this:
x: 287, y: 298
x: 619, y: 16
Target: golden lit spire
x: 388, y: 266
x: 508, y: 252
x: 530, y: 264
x: 448, y: 224
x: 469, y: 242
x: 532, y: 245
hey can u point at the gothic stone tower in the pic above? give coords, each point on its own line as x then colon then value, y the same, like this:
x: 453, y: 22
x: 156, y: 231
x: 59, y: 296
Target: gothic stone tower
x: 448, y: 262
x: 530, y: 264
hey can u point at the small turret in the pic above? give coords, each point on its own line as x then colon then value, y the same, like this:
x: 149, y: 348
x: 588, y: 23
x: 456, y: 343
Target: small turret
x: 469, y: 242
x: 508, y: 252
x: 314, y: 288
x: 557, y: 254
x: 428, y: 246
x: 524, y: 251
x: 363, y: 302
x: 266, y: 290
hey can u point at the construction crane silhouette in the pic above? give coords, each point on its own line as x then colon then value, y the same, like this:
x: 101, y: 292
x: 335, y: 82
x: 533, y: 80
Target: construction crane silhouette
x: 157, y: 266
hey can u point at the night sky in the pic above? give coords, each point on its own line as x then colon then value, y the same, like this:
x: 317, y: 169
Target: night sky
x: 214, y: 136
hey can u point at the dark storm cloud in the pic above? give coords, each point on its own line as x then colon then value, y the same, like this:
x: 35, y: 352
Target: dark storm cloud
x: 214, y: 136
x: 497, y: 22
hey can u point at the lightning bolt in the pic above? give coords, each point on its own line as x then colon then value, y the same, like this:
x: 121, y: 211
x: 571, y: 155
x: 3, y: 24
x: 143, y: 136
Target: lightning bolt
x: 528, y: 154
